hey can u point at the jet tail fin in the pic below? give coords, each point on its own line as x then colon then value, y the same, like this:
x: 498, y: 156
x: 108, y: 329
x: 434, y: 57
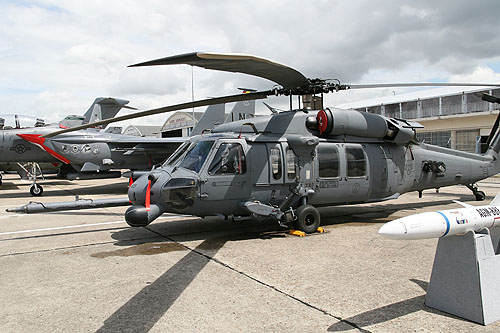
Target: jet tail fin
x: 213, y: 115
x: 104, y: 108
x: 101, y: 109
x: 242, y: 110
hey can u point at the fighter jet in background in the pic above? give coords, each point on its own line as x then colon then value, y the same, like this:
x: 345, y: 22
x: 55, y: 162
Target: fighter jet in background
x: 94, y: 153
x: 30, y: 161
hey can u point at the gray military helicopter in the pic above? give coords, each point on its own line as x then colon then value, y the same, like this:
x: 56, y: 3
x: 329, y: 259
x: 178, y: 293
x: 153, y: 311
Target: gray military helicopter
x: 285, y: 165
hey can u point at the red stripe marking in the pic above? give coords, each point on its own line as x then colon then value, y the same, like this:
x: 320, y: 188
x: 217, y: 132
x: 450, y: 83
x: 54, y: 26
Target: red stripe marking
x: 148, y: 196
x: 39, y: 141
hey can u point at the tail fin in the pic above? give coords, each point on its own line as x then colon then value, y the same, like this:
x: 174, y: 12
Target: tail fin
x: 213, y: 115
x: 103, y: 108
x: 242, y: 110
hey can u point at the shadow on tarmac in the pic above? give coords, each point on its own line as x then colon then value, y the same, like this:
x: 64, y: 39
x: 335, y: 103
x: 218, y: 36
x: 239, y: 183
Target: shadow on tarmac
x: 144, y: 310
x: 388, y: 312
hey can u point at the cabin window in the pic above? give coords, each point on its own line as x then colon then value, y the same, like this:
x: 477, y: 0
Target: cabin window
x: 291, y: 164
x: 328, y: 161
x: 276, y: 163
x: 229, y: 160
x: 356, y: 162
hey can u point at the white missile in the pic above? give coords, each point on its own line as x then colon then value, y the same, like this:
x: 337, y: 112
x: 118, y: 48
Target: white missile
x: 444, y: 223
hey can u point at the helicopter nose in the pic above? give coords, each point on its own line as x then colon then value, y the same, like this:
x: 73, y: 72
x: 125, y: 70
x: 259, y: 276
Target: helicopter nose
x: 146, y: 187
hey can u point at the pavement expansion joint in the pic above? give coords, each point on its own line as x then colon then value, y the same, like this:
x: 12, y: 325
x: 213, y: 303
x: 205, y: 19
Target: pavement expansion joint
x: 69, y: 247
x: 211, y: 258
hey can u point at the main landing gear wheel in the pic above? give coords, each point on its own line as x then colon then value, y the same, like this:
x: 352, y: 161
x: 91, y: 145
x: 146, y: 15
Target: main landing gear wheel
x: 480, y: 196
x: 36, y: 190
x: 308, y: 219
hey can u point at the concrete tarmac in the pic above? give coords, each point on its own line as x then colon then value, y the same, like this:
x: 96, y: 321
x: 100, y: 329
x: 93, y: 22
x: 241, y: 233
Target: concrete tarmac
x: 87, y: 271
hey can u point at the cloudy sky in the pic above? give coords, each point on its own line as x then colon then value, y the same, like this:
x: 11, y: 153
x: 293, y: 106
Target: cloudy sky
x: 56, y: 57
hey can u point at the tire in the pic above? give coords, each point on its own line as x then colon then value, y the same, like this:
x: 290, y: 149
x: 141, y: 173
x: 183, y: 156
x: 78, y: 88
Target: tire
x: 308, y: 219
x: 36, y: 190
x: 480, y: 196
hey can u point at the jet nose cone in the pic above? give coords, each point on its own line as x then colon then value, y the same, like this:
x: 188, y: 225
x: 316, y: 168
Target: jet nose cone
x: 393, y: 230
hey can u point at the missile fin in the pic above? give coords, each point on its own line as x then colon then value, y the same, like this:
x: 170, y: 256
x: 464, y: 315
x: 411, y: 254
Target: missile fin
x: 466, y: 205
x: 496, y: 200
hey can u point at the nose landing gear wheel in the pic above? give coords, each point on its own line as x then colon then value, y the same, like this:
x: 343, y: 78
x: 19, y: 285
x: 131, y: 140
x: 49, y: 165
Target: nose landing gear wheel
x: 308, y: 219
x: 36, y: 190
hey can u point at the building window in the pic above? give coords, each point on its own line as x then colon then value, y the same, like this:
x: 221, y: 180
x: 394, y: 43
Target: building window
x: 328, y: 161
x: 475, y: 103
x: 466, y: 140
x: 430, y: 107
x: 451, y: 105
x: 442, y: 139
x: 356, y: 162
x: 409, y: 110
x: 392, y: 110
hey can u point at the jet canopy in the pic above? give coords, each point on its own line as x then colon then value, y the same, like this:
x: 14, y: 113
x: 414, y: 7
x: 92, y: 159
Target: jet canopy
x: 10, y: 121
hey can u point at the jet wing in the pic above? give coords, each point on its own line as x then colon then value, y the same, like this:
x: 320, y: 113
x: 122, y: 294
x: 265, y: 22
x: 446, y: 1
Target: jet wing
x: 164, y: 147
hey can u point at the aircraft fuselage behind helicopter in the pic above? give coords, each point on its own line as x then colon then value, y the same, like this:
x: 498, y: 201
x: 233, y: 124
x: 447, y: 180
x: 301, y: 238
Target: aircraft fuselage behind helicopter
x: 275, y: 165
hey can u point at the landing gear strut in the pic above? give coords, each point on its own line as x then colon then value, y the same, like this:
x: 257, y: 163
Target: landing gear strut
x: 480, y: 196
x: 32, y: 170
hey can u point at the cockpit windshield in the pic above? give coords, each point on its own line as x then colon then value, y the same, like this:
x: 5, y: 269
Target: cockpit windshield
x: 195, y: 157
x: 176, y: 156
x: 10, y: 121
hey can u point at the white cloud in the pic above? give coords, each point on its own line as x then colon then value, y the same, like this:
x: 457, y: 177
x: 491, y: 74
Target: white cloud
x: 58, y: 56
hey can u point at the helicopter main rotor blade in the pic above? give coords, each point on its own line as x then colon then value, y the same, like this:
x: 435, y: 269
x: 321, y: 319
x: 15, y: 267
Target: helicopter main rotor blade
x: 490, y: 98
x: 285, y: 76
x: 292, y: 81
x: 171, y: 108
x: 426, y: 84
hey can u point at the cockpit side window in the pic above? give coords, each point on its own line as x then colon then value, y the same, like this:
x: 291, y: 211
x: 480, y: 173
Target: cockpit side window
x: 229, y: 160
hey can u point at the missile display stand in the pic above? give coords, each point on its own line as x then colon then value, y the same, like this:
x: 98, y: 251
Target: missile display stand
x: 465, y: 276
